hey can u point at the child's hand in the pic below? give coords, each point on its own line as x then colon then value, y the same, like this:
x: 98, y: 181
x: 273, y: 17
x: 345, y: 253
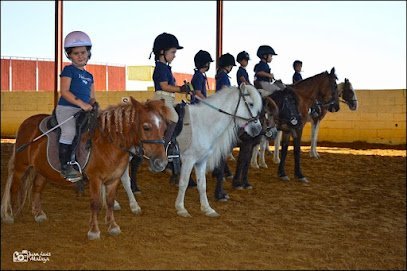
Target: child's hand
x: 86, y: 107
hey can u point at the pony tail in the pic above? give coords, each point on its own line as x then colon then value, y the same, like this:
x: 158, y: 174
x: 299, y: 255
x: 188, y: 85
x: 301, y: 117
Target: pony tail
x: 23, y: 187
x: 6, y: 209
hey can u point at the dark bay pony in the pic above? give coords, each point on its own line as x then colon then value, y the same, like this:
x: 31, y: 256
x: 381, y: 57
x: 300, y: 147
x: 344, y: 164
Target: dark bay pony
x: 321, y: 87
x: 246, y: 143
x: 119, y: 128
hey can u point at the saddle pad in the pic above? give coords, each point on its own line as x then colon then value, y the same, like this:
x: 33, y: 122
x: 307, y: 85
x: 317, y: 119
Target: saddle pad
x: 82, y: 155
x: 185, y: 137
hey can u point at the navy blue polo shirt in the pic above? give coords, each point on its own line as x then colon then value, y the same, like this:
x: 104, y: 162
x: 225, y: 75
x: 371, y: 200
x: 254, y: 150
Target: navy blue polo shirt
x: 222, y: 79
x: 199, y: 83
x: 242, y: 72
x: 261, y: 66
x: 297, y: 77
x: 162, y: 73
x: 81, y: 83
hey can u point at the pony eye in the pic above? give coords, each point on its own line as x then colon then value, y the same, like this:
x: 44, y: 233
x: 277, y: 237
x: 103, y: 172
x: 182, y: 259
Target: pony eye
x: 146, y: 127
x: 251, y: 104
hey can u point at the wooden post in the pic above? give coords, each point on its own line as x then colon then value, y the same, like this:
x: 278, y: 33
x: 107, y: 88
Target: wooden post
x: 58, y: 47
x: 219, y: 30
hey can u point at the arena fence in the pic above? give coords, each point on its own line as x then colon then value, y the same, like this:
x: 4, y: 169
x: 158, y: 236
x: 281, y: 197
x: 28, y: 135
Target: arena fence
x: 380, y: 118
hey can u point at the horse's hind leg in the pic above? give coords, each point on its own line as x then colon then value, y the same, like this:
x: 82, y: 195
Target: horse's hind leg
x: 284, y: 150
x: 264, y: 145
x: 135, y: 208
x: 297, y: 158
x: 255, y: 153
x: 314, y: 139
x: 38, y: 186
x: 111, y: 189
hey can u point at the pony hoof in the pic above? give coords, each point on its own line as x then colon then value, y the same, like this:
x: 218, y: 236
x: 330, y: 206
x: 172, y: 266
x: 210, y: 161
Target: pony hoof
x: 212, y: 213
x: 93, y: 235
x: 8, y: 220
x: 303, y: 180
x: 183, y: 213
x: 238, y: 187
x: 264, y: 166
x: 116, y: 206
x: 135, y: 210
x: 284, y: 178
x: 276, y: 161
x: 248, y: 187
x: 115, y: 231
x: 40, y: 218
x: 254, y: 166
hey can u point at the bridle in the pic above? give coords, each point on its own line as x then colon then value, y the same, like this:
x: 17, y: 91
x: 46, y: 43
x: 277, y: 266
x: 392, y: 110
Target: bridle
x: 234, y: 115
x: 334, y: 95
x: 347, y: 101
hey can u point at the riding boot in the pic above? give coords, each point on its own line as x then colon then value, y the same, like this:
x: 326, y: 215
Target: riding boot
x: 169, y: 132
x: 67, y: 170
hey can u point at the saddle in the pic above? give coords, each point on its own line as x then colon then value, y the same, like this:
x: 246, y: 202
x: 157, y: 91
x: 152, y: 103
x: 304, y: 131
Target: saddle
x: 287, y: 103
x: 173, y: 150
x: 85, y: 122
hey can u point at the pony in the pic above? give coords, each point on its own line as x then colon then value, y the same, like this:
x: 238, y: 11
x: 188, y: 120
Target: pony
x: 207, y: 138
x: 246, y: 143
x: 346, y: 94
x: 118, y: 129
x: 321, y: 87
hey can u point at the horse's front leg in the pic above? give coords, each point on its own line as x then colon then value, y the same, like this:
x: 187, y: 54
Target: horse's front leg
x: 236, y: 182
x: 277, y: 141
x: 135, y: 208
x: 245, y: 165
x: 314, y: 138
x: 111, y: 189
x: 203, y: 198
x: 38, y: 186
x: 297, y: 157
x: 264, y: 144
x: 186, y: 169
x: 219, y: 173
x: 284, y: 150
x: 95, y: 206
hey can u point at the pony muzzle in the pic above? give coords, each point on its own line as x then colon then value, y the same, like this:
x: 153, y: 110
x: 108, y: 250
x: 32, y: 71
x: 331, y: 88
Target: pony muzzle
x: 253, y: 128
x: 158, y: 164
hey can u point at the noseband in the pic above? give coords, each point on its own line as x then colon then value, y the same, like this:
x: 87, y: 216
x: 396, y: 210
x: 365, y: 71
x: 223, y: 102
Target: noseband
x: 332, y: 101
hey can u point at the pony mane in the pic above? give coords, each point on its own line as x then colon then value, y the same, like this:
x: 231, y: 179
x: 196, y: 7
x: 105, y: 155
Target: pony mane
x: 117, y: 122
x: 228, y: 138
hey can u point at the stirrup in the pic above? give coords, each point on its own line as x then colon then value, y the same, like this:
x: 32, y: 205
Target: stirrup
x: 172, y: 153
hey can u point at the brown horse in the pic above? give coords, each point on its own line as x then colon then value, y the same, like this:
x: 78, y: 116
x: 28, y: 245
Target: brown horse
x: 321, y: 87
x: 119, y: 128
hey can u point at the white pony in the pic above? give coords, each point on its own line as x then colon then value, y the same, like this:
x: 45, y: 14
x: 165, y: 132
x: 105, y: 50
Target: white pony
x: 207, y: 137
x: 348, y: 95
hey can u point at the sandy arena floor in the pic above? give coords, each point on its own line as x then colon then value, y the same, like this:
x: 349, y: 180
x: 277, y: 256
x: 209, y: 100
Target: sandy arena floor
x: 352, y: 215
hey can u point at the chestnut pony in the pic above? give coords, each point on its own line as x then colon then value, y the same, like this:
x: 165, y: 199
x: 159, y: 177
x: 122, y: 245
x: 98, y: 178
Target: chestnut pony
x: 118, y: 129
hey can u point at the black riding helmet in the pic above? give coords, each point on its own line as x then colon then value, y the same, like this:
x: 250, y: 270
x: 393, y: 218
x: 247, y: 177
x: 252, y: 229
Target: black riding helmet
x: 164, y: 42
x: 201, y: 58
x: 226, y: 60
x: 242, y: 55
x: 265, y: 50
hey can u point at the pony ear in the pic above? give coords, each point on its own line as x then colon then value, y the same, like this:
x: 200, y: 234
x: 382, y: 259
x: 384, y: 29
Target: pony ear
x: 333, y: 70
x: 134, y: 101
x: 346, y: 80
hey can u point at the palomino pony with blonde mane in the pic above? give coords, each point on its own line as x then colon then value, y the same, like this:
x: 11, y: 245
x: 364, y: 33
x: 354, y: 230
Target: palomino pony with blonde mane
x: 119, y: 128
